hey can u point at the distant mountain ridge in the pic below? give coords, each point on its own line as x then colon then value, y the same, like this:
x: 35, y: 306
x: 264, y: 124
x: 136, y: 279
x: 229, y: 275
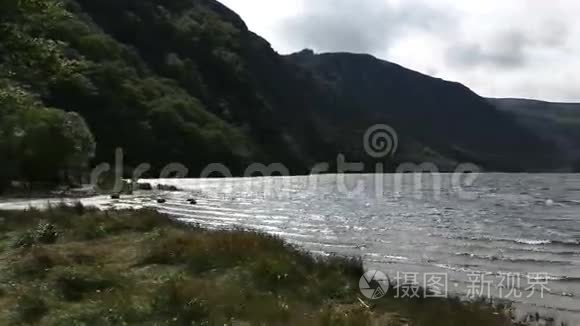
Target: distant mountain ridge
x: 558, y: 123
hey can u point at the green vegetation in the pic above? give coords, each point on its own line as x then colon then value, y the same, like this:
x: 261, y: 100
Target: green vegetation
x: 75, y: 265
x: 53, y: 55
x: 36, y: 142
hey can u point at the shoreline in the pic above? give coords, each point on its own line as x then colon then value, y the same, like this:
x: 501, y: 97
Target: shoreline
x: 103, y: 202
x: 79, y: 252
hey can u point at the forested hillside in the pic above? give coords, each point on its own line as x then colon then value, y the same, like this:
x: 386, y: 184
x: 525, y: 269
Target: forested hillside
x: 36, y: 142
x: 166, y: 81
x: 186, y: 81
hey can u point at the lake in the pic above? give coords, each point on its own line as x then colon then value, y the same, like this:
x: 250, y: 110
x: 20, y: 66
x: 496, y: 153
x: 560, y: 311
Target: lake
x: 515, y: 235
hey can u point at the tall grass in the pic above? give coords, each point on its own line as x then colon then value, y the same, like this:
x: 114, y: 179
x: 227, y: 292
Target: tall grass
x: 83, y: 266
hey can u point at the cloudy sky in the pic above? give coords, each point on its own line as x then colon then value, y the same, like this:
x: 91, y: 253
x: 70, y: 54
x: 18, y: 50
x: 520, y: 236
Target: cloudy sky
x: 499, y: 48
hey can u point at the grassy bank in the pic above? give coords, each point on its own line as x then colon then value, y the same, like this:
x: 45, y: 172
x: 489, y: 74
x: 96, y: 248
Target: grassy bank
x: 70, y: 266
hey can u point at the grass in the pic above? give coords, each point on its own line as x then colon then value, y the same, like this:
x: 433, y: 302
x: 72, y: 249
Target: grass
x: 79, y: 266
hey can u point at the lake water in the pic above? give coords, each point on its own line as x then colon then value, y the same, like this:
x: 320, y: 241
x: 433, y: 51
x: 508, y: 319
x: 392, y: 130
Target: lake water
x: 504, y: 228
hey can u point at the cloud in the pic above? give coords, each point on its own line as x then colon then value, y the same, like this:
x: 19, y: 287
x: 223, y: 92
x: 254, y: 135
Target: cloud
x: 554, y: 34
x: 507, y: 51
x: 358, y: 26
x: 510, y: 49
x: 523, y: 48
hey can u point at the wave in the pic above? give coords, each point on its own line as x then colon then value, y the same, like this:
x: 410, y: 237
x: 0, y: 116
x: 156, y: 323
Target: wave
x: 529, y: 276
x: 549, y: 277
x: 559, y: 253
x: 513, y: 260
x: 463, y: 269
x: 331, y: 245
x: 556, y: 242
x: 571, y: 202
x: 531, y: 242
x: 398, y: 258
x: 561, y: 278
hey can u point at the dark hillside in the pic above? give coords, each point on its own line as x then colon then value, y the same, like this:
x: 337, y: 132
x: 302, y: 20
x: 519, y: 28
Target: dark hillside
x: 442, y: 115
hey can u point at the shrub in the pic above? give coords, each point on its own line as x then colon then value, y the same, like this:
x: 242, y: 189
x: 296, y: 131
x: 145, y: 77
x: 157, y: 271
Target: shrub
x: 24, y: 240
x: 73, y: 284
x: 44, y: 233
x: 30, y: 308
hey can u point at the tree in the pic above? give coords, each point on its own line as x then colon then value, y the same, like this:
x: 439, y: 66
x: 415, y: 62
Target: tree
x: 26, y: 53
x: 83, y: 145
x: 38, y: 143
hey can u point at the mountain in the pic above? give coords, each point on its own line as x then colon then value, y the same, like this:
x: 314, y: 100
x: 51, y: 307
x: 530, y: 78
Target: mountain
x: 186, y: 81
x: 558, y: 123
x: 444, y: 116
